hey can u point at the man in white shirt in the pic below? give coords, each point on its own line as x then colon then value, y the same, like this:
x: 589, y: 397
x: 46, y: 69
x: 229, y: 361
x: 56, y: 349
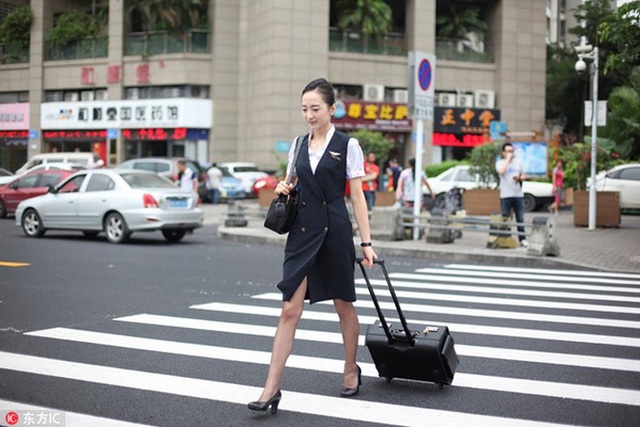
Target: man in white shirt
x: 187, y: 179
x: 511, y: 172
x: 215, y: 183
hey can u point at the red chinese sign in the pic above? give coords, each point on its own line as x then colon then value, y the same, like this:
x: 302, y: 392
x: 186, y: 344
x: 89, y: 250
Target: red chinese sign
x: 155, y: 134
x: 372, y: 115
x: 88, y: 76
x: 11, y: 134
x: 142, y: 72
x: 113, y: 74
x: 84, y: 135
x: 462, y: 127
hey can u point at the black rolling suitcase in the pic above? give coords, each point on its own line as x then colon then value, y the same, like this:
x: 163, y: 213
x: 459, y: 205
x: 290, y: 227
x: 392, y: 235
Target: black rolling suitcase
x: 416, y: 353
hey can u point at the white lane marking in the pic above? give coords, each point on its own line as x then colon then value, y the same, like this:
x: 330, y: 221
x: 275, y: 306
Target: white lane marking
x: 485, y: 382
x: 336, y: 338
x: 335, y: 407
x: 508, y: 301
x: 454, y: 327
x: 534, y: 276
x: 71, y: 419
x: 496, y: 314
x: 512, y: 283
x: 544, y: 271
x: 426, y: 284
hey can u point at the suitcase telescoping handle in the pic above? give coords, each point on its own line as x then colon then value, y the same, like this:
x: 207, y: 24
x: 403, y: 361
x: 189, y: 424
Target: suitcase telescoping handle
x: 392, y: 291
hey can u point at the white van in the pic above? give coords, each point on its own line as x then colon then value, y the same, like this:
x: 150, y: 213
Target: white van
x: 77, y: 158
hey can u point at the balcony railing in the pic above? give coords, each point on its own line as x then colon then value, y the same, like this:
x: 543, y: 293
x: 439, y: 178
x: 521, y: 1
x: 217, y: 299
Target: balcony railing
x: 157, y: 42
x: 356, y: 42
x: 459, y: 50
x: 12, y: 55
x: 91, y: 47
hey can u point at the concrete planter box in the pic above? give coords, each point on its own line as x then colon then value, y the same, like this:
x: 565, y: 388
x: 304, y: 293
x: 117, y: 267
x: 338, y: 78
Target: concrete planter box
x: 607, y: 209
x: 481, y: 201
x: 385, y: 198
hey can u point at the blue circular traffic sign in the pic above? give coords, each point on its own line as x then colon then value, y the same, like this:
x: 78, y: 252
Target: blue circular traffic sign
x: 424, y: 74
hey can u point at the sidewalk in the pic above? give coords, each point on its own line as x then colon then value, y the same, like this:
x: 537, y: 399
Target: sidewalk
x: 616, y: 249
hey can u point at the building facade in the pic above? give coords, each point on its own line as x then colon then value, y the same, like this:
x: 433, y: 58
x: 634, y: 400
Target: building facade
x: 232, y: 92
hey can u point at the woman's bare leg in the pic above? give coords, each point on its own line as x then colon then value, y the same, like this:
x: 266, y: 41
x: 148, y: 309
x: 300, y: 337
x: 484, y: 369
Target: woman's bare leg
x: 283, y: 340
x: 350, y: 328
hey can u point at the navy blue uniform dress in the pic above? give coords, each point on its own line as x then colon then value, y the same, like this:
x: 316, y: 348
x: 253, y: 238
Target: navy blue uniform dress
x: 320, y: 242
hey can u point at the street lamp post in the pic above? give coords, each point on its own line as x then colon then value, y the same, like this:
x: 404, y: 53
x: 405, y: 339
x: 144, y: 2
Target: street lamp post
x: 589, y: 52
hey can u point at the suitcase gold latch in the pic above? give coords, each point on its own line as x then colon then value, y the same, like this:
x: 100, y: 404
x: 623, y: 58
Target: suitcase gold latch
x: 430, y: 329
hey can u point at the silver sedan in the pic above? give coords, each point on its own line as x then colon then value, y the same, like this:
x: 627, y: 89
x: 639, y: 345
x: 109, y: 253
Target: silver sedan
x: 118, y: 202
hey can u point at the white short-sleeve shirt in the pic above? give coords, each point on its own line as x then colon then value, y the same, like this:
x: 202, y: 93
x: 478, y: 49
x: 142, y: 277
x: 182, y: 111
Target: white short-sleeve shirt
x: 355, y: 156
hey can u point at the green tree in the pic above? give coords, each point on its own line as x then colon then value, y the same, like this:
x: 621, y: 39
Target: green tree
x: 375, y: 142
x: 482, y: 160
x: 457, y: 20
x: 71, y: 27
x: 168, y: 15
x: 15, y: 29
x: 619, y: 31
x: 371, y: 17
x: 565, y: 90
x: 623, y: 122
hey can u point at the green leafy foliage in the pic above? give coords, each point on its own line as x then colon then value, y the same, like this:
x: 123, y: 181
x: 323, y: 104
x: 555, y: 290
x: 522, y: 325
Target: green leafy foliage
x: 371, y: 17
x: 438, y: 168
x: 372, y: 141
x: 72, y: 26
x: 15, y: 29
x: 459, y: 19
x: 483, y: 162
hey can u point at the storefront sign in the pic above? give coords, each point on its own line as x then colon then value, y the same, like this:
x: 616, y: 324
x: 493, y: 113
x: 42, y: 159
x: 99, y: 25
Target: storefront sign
x: 14, y: 116
x: 74, y: 135
x: 14, y: 134
x: 462, y: 127
x: 374, y: 116
x: 128, y: 114
x: 155, y: 134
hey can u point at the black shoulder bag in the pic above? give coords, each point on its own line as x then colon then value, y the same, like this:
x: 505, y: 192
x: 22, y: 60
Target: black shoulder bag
x: 283, y: 209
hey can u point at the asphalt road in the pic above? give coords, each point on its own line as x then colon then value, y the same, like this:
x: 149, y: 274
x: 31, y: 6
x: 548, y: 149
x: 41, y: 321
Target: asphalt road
x: 164, y: 334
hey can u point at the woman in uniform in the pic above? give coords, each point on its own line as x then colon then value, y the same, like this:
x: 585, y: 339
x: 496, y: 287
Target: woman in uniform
x: 319, y: 255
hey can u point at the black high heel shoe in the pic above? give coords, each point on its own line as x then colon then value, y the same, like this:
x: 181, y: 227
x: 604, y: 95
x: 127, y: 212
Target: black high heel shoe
x: 350, y: 392
x: 264, y: 405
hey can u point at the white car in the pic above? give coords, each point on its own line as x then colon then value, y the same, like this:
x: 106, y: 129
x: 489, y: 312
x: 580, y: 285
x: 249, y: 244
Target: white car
x: 118, y: 202
x: 6, y: 176
x: 536, y: 194
x: 625, y: 179
x: 245, y: 172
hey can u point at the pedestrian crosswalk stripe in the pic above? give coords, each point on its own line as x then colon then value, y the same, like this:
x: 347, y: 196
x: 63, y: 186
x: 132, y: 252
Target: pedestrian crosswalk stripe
x: 70, y: 418
x: 426, y: 284
x: 350, y: 409
x: 485, y: 382
x: 496, y: 314
x: 512, y: 283
x: 336, y: 338
x: 509, y: 301
x: 536, y: 275
x: 586, y: 273
x: 540, y: 334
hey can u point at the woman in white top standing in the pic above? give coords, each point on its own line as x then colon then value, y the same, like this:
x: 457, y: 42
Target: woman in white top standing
x: 319, y: 255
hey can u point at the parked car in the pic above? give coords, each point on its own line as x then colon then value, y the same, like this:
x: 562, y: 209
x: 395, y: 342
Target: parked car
x: 232, y: 187
x: 536, y: 194
x: 245, y: 172
x: 75, y: 157
x: 116, y: 202
x: 5, y: 176
x: 29, y: 185
x: 168, y: 168
x: 625, y: 179
x: 269, y: 182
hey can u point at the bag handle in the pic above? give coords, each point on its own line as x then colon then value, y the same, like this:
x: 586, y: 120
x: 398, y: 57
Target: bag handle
x: 392, y: 291
x: 296, y: 153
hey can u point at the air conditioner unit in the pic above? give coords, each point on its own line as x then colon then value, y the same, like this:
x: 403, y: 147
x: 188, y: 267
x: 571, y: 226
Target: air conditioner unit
x: 485, y: 98
x: 447, y: 99
x: 464, y: 100
x: 374, y: 93
x: 400, y: 96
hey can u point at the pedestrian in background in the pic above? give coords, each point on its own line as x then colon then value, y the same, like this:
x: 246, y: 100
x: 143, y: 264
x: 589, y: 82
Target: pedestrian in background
x: 187, y: 179
x: 370, y: 180
x: 557, y: 182
x: 405, y: 190
x: 393, y: 171
x: 319, y: 255
x: 215, y: 183
x: 511, y: 172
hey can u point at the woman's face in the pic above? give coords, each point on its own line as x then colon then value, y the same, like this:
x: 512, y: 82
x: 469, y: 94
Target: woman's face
x: 315, y: 110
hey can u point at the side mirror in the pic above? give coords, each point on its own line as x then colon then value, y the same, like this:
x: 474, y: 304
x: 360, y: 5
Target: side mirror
x: 14, y: 185
x: 51, y: 189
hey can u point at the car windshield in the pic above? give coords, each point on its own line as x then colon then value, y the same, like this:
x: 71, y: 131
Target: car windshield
x: 139, y: 180
x: 225, y: 172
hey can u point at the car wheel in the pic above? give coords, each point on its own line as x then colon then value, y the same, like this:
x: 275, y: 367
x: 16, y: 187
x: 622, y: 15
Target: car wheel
x: 440, y: 201
x: 173, y: 236
x: 32, y: 224
x: 116, y: 228
x: 529, y: 203
x: 3, y: 210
